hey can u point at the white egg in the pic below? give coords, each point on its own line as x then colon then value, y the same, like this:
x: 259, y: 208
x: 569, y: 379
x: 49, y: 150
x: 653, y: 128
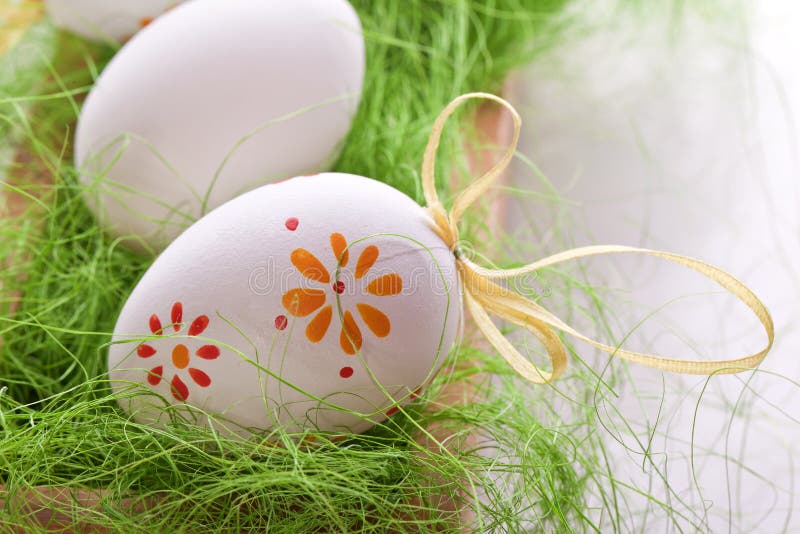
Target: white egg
x: 106, y: 20
x: 252, y: 302
x: 212, y: 100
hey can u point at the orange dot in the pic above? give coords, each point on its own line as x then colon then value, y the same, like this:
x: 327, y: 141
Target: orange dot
x: 180, y: 356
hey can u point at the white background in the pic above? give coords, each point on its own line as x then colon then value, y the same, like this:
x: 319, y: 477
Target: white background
x: 678, y: 130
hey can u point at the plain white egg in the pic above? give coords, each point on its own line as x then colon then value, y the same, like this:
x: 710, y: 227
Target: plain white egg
x: 316, y: 303
x: 106, y: 20
x: 212, y: 100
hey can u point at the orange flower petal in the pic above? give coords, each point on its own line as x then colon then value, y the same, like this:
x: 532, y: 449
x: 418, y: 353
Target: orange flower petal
x: 309, y: 266
x: 199, y: 377
x: 376, y: 320
x: 318, y: 326
x: 301, y: 302
x: 366, y: 260
x: 339, y: 246
x: 386, y: 285
x: 350, y: 339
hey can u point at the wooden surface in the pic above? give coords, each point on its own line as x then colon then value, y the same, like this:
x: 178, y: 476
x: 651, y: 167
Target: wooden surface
x: 15, y: 18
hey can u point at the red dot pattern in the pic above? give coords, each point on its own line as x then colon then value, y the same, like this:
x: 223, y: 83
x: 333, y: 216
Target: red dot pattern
x: 346, y: 372
x: 281, y: 322
x: 292, y: 223
x: 339, y: 287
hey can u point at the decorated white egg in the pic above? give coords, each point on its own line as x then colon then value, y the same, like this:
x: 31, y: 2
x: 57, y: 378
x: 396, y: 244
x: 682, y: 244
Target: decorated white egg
x: 106, y: 20
x: 212, y: 100
x: 319, y: 303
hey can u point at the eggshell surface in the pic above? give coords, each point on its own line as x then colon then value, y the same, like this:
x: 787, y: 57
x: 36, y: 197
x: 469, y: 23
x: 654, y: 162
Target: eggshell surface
x: 289, y: 305
x: 211, y: 100
x: 106, y: 20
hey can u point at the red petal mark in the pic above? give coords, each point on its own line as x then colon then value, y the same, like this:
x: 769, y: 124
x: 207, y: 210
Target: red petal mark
x: 199, y: 325
x: 155, y: 375
x: 339, y: 287
x: 177, y: 315
x: 346, y: 372
x: 179, y: 389
x: 199, y: 377
x: 391, y: 411
x: 145, y: 351
x: 292, y: 223
x: 208, y: 352
x: 281, y: 322
x: 155, y: 324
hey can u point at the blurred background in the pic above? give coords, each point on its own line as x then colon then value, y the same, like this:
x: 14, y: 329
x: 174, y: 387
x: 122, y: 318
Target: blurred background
x: 676, y: 129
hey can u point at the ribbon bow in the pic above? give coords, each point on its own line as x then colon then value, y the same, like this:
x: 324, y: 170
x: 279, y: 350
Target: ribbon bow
x: 484, y: 298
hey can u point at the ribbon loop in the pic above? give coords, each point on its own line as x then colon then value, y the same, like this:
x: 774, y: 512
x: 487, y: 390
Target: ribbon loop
x: 484, y: 298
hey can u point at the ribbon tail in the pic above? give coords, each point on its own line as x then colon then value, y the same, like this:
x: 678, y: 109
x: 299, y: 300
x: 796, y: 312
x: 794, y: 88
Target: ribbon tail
x: 496, y: 297
x: 549, y: 339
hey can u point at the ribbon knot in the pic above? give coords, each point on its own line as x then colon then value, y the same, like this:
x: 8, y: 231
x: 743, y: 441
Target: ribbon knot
x: 446, y: 231
x: 485, y: 298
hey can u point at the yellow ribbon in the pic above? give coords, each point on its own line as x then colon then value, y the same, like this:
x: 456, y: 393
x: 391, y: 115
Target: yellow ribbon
x: 484, y: 298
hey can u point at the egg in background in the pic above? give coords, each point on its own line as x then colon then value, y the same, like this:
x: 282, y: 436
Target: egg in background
x: 106, y: 20
x: 314, y: 304
x: 212, y: 100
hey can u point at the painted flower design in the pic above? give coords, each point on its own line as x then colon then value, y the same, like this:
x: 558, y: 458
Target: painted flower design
x: 303, y: 302
x: 180, y: 354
